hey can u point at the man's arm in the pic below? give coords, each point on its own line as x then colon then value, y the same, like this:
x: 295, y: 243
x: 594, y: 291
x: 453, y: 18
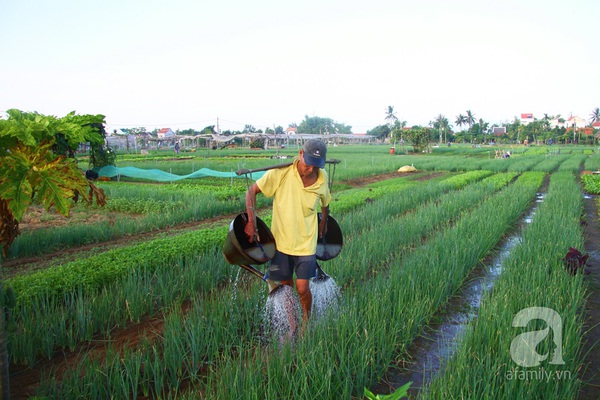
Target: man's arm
x: 250, y: 228
x: 323, y: 223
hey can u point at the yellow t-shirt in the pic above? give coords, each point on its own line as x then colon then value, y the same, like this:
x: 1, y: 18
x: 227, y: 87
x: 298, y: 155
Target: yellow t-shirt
x: 295, y: 223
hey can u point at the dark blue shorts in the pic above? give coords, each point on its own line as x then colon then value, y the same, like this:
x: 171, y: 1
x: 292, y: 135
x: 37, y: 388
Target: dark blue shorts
x: 283, y: 267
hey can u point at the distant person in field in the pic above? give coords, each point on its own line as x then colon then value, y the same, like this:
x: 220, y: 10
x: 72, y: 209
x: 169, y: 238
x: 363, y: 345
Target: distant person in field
x: 298, y: 191
x: 177, y: 148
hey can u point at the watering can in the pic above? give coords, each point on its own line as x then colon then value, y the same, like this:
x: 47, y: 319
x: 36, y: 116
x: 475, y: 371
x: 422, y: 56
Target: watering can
x: 330, y: 244
x: 238, y: 250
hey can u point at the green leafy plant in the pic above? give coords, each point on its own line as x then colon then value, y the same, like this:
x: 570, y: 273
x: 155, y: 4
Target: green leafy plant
x: 31, y: 169
x: 591, y: 183
x: 400, y: 393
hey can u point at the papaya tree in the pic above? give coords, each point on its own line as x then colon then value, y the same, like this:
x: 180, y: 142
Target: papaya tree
x: 37, y: 166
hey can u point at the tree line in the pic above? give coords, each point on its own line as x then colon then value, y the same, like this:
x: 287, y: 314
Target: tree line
x: 478, y: 131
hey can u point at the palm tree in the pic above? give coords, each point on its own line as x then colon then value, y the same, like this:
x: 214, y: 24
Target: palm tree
x: 470, y: 119
x: 392, y: 119
x: 595, y: 115
x: 390, y: 116
x: 460, y: 120
x: 483, y: 126
x: 441, y: 124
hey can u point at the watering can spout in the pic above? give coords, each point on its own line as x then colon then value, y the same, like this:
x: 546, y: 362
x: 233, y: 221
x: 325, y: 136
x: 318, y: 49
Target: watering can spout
x: 321, y: 275
x: 273, y: 285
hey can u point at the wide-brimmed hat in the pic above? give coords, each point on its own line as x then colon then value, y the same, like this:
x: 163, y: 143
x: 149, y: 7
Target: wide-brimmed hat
x: 315, y: 153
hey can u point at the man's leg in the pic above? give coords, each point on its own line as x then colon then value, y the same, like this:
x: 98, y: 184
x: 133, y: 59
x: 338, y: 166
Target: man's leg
x: 289, y: 282
x: 303, y: 288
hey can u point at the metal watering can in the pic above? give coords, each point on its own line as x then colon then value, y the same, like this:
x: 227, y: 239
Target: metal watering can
x: 239, y: 251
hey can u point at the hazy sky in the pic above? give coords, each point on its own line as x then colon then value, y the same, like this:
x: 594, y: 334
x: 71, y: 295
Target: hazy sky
x: 184, y: 64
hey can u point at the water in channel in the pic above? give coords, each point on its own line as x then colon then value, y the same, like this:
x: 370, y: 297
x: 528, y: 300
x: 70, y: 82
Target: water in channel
x: 433, y: 349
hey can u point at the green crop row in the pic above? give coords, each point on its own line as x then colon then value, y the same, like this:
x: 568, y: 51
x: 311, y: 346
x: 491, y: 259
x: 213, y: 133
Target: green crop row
x: 93, y: 272
x: 464, y: 179
x: 486, y: 364
x: 550, y: 163
x: 573, y: 164
x: 161, y: 206
x: 142, y: 206
x: 591, y: 183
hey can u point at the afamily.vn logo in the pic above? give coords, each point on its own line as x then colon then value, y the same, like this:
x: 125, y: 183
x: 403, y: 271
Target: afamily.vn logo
x: 523, y: 349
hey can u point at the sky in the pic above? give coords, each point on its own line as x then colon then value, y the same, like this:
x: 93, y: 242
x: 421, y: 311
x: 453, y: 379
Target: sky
x: 184, y: 64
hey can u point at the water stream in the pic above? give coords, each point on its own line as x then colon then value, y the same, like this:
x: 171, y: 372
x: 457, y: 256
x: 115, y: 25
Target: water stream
x: 281, y: 316
x: 326, y: 298
x: 283, y: 313
x: 430, y: 351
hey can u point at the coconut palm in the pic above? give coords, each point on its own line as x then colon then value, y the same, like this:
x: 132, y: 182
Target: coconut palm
x: 470, y: 118
x: 483, y: 127
x: 595, y: 115
x: 441, y: 124
x: 460, y: 120
x: 390, y: 116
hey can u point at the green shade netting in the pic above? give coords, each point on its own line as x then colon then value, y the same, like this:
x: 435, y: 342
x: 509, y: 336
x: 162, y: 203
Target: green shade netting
x: 161, y: 176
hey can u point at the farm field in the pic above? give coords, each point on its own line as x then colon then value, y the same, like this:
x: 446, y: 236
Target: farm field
x: 135, y: 300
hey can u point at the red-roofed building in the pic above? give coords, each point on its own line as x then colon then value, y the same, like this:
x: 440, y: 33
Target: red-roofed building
x: 526, y: 118
x: 291, y: 131
x: 498, y: 130
x: 165, y: 133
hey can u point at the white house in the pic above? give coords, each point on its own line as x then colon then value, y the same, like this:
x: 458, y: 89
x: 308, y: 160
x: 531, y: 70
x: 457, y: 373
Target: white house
x: 575, y: 122
x: 557, y: 123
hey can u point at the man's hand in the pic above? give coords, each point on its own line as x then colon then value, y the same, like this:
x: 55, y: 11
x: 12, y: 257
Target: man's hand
x: 250, y: 228
x: 250, y: 231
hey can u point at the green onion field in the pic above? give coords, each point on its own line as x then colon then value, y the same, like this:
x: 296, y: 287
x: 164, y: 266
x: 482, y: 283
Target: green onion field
x: 135, y: 300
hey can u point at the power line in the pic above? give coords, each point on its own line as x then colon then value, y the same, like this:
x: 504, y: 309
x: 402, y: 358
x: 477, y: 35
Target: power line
x: 166, y: 124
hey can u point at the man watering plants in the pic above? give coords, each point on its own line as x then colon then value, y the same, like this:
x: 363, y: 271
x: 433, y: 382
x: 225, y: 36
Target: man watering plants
x: 297, y: 191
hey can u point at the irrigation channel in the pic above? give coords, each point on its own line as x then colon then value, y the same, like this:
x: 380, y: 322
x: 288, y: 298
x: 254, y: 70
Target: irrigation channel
x: 430, y: 351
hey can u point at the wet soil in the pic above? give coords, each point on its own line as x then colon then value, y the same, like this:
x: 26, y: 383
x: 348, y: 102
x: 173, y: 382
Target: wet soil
x: 591, y: 347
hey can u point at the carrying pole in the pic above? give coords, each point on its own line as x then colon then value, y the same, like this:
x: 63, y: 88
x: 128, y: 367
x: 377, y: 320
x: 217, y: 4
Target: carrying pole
x: 249, y: 171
